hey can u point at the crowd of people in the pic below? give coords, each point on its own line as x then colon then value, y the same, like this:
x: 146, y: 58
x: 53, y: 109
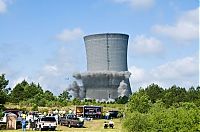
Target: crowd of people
x: 29, y: 119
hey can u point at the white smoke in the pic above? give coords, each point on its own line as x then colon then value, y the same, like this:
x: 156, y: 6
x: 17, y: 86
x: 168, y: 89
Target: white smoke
x: 122, y: 89
x: 125, y: 74
x: 102, y: 78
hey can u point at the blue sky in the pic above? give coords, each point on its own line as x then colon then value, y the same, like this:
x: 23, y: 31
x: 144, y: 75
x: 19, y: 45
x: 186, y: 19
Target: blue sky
x: 42, y: 40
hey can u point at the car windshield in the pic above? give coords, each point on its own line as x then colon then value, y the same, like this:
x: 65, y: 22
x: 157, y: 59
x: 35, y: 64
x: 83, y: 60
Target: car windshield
x: 71, y: 116
x: 48, y: 119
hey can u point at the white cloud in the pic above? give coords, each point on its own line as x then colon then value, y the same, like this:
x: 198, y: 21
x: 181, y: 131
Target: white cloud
x: 137, y: 4
x: 182, y: 68
x: 51, y: 69
x: 18, y: 80
x: 52, y: 75
x: 56, y: 74
x: 69, y: 35
x: 182, y: 72
x: 3, y: 6
x: 146, y: 46
x: 186, y: 27
x: 138, y: 74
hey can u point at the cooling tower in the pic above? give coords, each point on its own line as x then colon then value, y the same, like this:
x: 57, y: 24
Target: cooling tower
x: 106, y: 66
x: 106, y: 52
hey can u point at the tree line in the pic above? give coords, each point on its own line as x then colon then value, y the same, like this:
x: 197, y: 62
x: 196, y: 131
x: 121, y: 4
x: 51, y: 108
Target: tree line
x: 33, y: 95
x: 157, y: 109
x: 30, y: 94
x: 153, y: 108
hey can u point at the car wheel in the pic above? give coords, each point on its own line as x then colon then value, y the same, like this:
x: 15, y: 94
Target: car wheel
x: 53, y: 129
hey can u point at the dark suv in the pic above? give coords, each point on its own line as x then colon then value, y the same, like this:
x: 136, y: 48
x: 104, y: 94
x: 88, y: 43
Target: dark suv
x: 71, y: 120
x: 113, y: 113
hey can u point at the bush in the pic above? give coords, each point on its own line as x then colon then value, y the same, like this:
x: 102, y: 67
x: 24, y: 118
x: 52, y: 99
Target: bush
x: 135, y: 122
x: 120, y: 114
x: 140, y: 102
x: 35, y: 107
x: 185, y: 117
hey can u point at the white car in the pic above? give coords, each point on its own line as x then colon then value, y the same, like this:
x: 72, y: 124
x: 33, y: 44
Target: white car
x: 3, y: 120
x: 46, y: 123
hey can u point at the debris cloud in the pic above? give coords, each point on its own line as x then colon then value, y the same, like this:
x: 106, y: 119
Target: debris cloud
x: 77, y: 90
x: 115, y: 84
x: 122, y: 89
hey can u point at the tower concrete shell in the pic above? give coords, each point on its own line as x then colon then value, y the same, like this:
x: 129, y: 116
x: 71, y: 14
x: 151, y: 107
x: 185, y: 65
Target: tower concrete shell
x: 106, y: 52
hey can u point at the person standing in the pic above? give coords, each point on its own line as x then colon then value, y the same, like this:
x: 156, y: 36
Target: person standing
x: 70, y: 111
x: 24, y: 116
x: 57, y: 118
x: 23, y: 125
x: 107, y: 115
x: 98, y: 114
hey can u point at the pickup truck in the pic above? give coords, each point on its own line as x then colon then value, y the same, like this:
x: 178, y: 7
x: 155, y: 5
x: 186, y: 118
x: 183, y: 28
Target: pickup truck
x: 71, y: 120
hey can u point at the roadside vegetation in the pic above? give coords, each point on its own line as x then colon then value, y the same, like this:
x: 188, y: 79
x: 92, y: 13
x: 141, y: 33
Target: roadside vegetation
x: 149, y: 109
x: 169, y: 110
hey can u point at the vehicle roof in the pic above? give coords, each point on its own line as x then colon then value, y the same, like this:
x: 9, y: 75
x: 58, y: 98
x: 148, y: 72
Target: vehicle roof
x: 89, y: 106
x: 48, y: 117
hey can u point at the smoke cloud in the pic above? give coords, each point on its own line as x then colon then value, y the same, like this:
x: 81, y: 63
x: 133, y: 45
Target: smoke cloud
x: 103, y: 80
x: 77, y: 90
x: 122, y: 89
x: 125, y: 74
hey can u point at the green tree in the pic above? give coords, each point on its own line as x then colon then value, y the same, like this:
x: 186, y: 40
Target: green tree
x: 48, y: 95
x: 154, y: 92
x: 35, y: 107
x: 18, y: 93
x: 121, y: 100
x: 3, y: 82
x: 76, y: 101
x: 193, y: 95
x: 31, y: 90
x: 135, y: 122
x: 64, y: 96
x: 140, y: 102
x: 175, y: 95
x: 184, y: 118
x: 3, y: 90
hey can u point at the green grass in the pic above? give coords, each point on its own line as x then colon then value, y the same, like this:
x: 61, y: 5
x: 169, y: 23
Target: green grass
x: 90, y: 126
x: 106, y: 107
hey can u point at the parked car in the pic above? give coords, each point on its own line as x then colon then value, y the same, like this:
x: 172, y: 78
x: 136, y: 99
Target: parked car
x: 71, y: 120
x: 46, y: 123
x: 3, y: 120
x: 113, y: 113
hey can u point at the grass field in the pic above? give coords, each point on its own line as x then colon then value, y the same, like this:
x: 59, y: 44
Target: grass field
x: 106, y: 107
x: 90, y: 126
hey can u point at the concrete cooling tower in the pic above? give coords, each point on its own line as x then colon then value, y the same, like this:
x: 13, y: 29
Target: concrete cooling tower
x: 107, y: 75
